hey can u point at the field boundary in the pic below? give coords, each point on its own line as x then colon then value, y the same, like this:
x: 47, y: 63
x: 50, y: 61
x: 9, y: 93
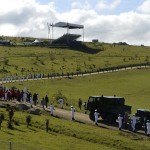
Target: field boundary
x: 70, y: 75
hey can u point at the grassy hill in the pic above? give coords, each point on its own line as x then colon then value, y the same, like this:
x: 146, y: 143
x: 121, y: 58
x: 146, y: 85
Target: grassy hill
x: 30, y: 60
x: 65, y: 135
x: 131, y: 84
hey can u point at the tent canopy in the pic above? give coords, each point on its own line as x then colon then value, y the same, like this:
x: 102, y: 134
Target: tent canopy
x: 68, y: 25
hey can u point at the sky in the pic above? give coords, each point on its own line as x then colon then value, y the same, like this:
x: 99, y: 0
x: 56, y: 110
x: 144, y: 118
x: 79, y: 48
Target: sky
x: 106, y: 20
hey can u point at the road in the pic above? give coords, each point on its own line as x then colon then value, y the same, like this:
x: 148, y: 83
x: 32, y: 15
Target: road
x: 79, y: 117
x: 79, y: 75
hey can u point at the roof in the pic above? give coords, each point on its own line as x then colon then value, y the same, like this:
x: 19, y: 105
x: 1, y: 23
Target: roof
x: 4, y: 41
x: 68, y: 25
x: 37, y: 41
x: 107, y: 96
x: 145, y: 110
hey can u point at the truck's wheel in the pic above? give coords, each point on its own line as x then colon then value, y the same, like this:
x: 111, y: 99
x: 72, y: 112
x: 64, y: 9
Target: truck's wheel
x: 91, y: 116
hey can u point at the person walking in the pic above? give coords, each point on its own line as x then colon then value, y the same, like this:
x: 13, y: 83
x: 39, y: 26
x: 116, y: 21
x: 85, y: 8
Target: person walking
x: 31, y: 100
x: 80, y: 103
x: 120, y: 118
x: 148, y: 127
x: 96, y: 117
x: 35, y: 98
x: 126, y: 119
x: 73, y: 112
x: 46, y: 100
x: 51, y: 109
x: 133, y: 122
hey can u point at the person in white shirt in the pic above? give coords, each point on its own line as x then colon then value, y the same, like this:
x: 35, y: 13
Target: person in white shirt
x: 133, y: 122
x: 148, y: 127
x: 51, y: 109
x: 31, y: 100
x: 96, y: 117
x: 120, y: 118
x: 72, y: 112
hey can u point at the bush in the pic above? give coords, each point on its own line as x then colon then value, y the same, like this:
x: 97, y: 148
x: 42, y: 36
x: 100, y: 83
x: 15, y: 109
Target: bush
x: 59, y: 95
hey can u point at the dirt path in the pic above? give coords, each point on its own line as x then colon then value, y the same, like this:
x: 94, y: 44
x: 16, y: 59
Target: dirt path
x: 79, y: 117
x: 63, y: 113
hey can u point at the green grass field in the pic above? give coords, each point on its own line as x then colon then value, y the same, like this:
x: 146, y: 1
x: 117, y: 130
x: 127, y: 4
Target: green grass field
x: 131, y: 84
x: 66, y: 135
x: 30, y: 60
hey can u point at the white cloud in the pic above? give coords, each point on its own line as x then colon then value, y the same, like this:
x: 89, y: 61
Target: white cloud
x: 29, y: 18
x: 81, y: 5
x: 105, y: 5
x: 145, y: 7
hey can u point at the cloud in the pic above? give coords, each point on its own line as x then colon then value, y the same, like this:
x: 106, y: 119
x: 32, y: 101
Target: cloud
x: 26, y: 17
x: 105, y: 5
x: 145, y: 7
x: 29, y: 18
x: 81, y: 5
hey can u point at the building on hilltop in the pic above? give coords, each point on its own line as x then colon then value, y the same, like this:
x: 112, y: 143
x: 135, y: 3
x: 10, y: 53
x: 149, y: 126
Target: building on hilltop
x: 5, y: 43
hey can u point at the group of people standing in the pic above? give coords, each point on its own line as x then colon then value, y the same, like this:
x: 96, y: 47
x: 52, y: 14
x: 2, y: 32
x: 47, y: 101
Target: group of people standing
x: 16, y: 77
x: 133, y: 120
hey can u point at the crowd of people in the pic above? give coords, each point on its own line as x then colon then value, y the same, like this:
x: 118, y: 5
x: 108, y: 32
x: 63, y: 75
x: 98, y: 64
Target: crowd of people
x: 133, y: 120
x: 16, y: 77
x: 8, y: 94
x: 25, y: 96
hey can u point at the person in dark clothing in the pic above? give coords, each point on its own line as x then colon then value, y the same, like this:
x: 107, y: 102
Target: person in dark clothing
x: 46, y: 100
x: 11, y: 114
x: 35, y: 98
x: 126, y: 120
x: 80, y: 103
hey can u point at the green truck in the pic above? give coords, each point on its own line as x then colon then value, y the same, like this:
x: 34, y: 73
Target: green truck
x: 143, y: 115
x: 109, y: 107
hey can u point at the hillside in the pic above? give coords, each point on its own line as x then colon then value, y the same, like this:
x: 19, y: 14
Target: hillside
x: 22, y: 60
x: 65, y: 135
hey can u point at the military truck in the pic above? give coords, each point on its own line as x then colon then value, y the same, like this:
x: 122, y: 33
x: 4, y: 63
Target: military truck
x: 109, y: 107
x: 143, y: 115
